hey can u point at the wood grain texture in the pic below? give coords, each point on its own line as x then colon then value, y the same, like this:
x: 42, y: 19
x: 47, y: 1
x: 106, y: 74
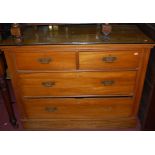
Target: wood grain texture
x: 45, y: 60
x: 77, y: 83
x: 80, y: 48
x: 79, y: 124
x: 101, y: 60
x: 78, y: 108
x: 126, y: 77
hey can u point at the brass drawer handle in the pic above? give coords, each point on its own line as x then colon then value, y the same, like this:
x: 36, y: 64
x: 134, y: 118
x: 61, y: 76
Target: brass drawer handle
x: 51, y: 109
x: 44, y: 60
x: 109, y: 59
x: 108, y: 82
x: 48, y: 84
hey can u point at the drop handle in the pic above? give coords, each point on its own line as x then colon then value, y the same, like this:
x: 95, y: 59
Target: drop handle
x: 108, y: 82
x: 109, y: 59
x: 51, y: 109
x: 44, y: 60
x: 48, y: 84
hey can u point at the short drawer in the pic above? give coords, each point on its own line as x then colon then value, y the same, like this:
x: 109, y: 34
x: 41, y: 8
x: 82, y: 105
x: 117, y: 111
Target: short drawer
x: 45, y: 60
x: 109, y: 60
x: 78, y: 108
x: 77, y: 83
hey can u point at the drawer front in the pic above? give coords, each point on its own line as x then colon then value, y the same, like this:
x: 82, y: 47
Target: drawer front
x: 77, y: 83
x: 78, y: 108
x: 45, y: 60
x: 109, y: 60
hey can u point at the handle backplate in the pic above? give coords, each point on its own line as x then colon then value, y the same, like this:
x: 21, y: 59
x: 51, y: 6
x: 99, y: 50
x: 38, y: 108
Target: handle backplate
x: 48, y: 83
x: 44, y: 60
x: 109, y: 59
x: 108, y: 82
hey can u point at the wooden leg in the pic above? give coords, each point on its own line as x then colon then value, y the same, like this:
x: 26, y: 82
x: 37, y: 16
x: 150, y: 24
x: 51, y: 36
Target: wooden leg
x: 7, y: 102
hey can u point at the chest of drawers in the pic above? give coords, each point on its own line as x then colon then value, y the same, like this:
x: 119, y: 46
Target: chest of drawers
x: 72, y: 79
x: 78, y: 87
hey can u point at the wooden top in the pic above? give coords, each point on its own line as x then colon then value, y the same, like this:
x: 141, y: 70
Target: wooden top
x: 78, y: 34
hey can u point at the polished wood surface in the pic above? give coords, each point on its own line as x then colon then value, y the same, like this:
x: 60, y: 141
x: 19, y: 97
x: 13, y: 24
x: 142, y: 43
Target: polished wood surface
x: 101, y: 108
x: 45, y: 60
x: 76, y: 84
x: 90, y: 86
x: 79, y: 124
x: 110, y: 59
x: 80, y: 83
x: 78, y: 34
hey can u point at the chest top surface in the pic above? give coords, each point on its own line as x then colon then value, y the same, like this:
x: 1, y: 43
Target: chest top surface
x: 74, y: 34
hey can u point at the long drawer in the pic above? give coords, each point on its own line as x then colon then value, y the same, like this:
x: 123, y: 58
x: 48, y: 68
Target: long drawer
x: 109, y: 60
x: 78, y: 108
x: 77, y: 83
x: 45, y: 60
